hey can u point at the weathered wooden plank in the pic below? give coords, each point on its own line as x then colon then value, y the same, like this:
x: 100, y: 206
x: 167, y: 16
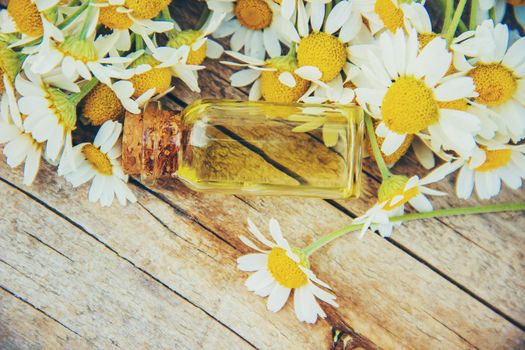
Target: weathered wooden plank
x: 90, y: 289
x: 394, y: 304
x: 22, y: 326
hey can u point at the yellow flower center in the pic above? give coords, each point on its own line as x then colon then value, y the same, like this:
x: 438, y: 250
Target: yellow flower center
x: 101, y: 105
x: 409, y: 106
x: 425, y: 38
x: 253, y: 14
x: 158, y: 78
x: 146, y: 9
x: 286, y: 271
x: 391, y: 15
x: 273, y: 90
x: 393, y: 187
x: 98, y: 159
x: 323, y: 51
x: 494, y: 83
x: 495, y: 159
x: 26, y: 16
x: 114, y: 20
x: 459, y: 105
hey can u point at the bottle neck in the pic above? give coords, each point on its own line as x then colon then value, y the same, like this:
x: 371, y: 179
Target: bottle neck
x: 151, y: 142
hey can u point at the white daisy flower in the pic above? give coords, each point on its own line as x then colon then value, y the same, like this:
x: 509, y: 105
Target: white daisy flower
x: 175, y: 60
x: 498, y: 72
x: 99, y: 161
x: 381, y: 14
x: 136, y: 17
x: 346, y: 17
x: 82, y: 57
x: 273, y: 79
x: 487, y: 169
x: 408, y: 91
x: 20, y: 147
x: 51, y: 115
x: 256, y: 25
x: 197, y: 40
x: 392, y: 196
x: 279, y: 269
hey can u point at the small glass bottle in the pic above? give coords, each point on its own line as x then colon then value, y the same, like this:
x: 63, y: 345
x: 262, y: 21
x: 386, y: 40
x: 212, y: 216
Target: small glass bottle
x: 248, y: 147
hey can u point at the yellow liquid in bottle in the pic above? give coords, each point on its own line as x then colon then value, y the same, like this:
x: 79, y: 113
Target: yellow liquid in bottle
x: 271, y: 149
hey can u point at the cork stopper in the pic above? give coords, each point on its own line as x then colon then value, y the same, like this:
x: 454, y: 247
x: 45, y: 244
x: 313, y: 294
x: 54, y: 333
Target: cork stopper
x: 151, y: 142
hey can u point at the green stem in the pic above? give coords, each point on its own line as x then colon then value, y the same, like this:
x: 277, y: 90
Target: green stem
x: 310, y: 249
x: 139, y: 43
x: 461, y: 25
x: 87, y: 20
x: 385, y: 173
x: 493, y: 14
x: 451, y: 30
x: 166, y: 15
x: 473, y: 20
x: 204, y: 17
x: 86, y: 89
x: 449, y: 7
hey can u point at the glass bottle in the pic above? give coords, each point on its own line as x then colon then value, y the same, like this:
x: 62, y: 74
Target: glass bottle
x: 247, y: 147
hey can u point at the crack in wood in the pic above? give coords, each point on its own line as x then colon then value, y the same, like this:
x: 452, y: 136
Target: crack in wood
x: 151, y: 276
x: 27, y: 302
x: 156, y: 218
x: 178, y: 209
x: 47, y: 245
x: 464, y: 289
x: 452, y: 330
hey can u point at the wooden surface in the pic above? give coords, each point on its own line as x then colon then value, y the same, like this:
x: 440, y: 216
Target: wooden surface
x: 161, y: 274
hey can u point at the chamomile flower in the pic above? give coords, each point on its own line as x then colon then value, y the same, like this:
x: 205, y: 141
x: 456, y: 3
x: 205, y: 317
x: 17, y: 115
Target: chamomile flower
x: 407, y: 90
x: 9, y: 66
x: 346, y: 17
x: 498, y: 74
x: 51, y: 115
x: 197, y: 40
x: 175, y: 62
x: 273, y: 79
x: 27, y: 16
x: 20, y: 146
x: 100, y: 105
x: 256, y: 25
x: 79, y: 56
x: 382, y: 14
x: 393, y: 194
x: 99, y: 162
x: 133, y: 16
x: 488, y: 167
x: 279, y: 269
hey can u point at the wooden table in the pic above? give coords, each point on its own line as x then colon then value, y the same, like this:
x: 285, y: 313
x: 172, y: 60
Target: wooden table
x: 161, y: 274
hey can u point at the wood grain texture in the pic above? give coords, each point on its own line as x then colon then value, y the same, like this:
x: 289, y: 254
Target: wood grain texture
x: 161, y: 273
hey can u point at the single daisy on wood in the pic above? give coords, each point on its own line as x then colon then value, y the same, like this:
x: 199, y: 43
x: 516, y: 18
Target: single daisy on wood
x: 280, y: 269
